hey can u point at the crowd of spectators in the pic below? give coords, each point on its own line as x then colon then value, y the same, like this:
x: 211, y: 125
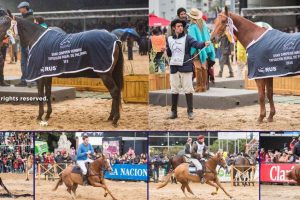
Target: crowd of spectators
x: 288, y: 154
x: 128, y: 158
x: 15, y: 148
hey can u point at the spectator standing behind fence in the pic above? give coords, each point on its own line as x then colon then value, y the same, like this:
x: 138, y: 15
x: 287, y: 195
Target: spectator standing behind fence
x: 40, y: 21
x: 296, y: 151
x: 27, y: 13
x: 225, y: 47
x: 157, y: 44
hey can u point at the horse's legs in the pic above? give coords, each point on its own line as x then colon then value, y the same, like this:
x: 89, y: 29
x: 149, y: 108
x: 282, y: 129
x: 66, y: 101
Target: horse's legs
x: 115, y: 93
x: 269, y: 86
x: 261, y: 97
x: 189, y: 189
x: 219, y: 184
x: 95, y: 184
x: 214, y: 185
x: 40, y: 86
x: 183, y: 188
x: 48, y: 86
x: 8, y: 192
x: 74, y: 188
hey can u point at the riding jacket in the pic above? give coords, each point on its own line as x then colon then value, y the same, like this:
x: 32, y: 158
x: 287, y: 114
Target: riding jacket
x: 199, y: 150
x: 82, y: 151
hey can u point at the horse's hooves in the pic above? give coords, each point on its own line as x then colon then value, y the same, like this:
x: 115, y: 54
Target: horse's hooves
x: 105, y: 195
x: 260, y: 121
x: 270, y: 120
x: 115, y: 124
x: 213, y: 193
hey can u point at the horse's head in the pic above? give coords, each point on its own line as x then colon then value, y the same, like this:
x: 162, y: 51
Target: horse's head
x: 220, y: 159
x: 105, y: 163
x: 220, y: 23
x: 5, y: 22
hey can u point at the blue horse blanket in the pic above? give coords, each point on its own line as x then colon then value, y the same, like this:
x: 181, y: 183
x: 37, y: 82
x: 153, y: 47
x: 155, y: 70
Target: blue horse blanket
x: 274, y: 54
x: 56, y: 53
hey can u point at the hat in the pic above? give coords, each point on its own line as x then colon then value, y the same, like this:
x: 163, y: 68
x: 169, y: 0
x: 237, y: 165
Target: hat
x: 176, y: 21
x: 23, y: 4
x: 200, y: 137
x: 180, y: 10
x: 195, y: 13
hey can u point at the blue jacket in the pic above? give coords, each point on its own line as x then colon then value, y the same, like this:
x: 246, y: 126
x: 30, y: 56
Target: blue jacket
x: 187, y: 62
x: 82, y: 151
x: 202, y: 36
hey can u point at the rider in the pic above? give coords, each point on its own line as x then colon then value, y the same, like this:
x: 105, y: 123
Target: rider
x: 199, y: 152
x: 85, y: 150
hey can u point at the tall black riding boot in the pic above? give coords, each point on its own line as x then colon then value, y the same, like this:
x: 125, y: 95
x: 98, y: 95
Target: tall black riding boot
x: 174, y: 106
x: 85, y: 180
x: 200, y: 173
x: 189, y: 102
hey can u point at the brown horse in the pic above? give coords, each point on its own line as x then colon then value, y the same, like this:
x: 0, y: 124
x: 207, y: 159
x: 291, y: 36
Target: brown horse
x: 247, y: 32
x: 95, y: 177
x: 113, y: 79
x: 294, y: 174
x: 211, y: 175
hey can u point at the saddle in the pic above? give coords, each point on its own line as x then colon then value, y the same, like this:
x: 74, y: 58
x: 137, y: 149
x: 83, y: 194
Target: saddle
x: 77, y: 170
x: 192, y: 168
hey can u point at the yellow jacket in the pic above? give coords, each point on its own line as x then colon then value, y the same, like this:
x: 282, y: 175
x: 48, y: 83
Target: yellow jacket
x: 241, y: 53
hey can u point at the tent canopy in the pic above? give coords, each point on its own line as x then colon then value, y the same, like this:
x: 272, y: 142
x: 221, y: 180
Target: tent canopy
x: 157, y: 21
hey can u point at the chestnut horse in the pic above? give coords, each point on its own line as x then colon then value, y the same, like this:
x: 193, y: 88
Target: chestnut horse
x: 96, y: 173
x: 29, y: 33
x: 247, y: 32
x: 211, y: 175
x: 294, y: 174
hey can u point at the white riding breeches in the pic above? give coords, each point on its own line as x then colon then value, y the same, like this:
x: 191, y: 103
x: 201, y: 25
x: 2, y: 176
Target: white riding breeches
x: 82, y: 166
x: 182, y: 82
x: 197, y: 164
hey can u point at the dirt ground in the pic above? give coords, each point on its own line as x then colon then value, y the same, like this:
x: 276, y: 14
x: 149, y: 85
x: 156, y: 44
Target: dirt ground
x: 77, y: 115
x: 244, y: 118
x: 279, y: 192
x: 121, y: 190
x: 173, y: 192
x: 17, y: 185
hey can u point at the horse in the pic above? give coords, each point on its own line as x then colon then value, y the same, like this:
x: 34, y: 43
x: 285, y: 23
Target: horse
x: 96, y: 171
x: 211, y: 175
x: 239, y: 164
x: 294, y: 174
x: 246, y: 37
x: 113, y: 78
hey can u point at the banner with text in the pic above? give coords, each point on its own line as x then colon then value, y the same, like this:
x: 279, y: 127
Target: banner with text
x: 276, y: 172
x: 128, y: 172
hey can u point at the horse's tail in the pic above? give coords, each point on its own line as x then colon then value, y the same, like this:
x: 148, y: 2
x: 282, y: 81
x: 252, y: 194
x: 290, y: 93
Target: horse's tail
x: 59, y: 182
x: 168, y: 177
x: 119, y: 69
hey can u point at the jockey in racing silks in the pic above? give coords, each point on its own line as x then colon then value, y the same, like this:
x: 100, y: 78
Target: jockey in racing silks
x: 85, y: 150
x: 199, y: 152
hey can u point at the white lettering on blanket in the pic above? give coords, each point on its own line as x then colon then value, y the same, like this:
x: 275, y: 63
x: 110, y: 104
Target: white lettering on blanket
x: 285, y: 56
x: 73, y: 53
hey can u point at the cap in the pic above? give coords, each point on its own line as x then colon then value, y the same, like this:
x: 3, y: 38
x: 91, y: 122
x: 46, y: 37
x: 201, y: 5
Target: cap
x: 23, y: 4
x: 200, y: 137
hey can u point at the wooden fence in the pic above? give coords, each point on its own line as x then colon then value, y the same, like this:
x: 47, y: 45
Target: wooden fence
x: 242, y: 172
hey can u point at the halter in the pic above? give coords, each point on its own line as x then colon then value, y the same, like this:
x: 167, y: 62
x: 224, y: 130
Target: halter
x: 230, y: 25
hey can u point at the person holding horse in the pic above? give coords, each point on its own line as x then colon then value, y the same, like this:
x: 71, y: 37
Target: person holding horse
x: 27, y: 13
x: 181, y: 65
x: 199, y: 152
x: 84, y: 152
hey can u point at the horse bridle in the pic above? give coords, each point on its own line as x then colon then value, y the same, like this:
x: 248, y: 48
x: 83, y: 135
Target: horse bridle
x: 230, y: 25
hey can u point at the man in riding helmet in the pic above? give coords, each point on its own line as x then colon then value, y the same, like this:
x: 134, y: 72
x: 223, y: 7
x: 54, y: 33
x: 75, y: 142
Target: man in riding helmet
x: 85, y: 150
x: 27, y: 13
x: 199, y: 152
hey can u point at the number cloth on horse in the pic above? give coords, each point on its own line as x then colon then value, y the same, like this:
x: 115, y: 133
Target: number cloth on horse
x: 56, y: 53
x: 274, y: 54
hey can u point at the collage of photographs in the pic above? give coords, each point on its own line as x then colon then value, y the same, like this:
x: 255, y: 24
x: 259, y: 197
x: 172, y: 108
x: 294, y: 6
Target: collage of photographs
x: 130, y: 99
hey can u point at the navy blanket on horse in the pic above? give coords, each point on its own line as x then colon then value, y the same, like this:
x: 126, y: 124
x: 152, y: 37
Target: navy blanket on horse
x: 57, y: 53
x: 274, y: 54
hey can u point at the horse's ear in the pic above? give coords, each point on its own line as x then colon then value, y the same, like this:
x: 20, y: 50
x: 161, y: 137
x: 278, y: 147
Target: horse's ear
x: 226, y: 10
x: 10, y: 14
x: 218, y: 10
